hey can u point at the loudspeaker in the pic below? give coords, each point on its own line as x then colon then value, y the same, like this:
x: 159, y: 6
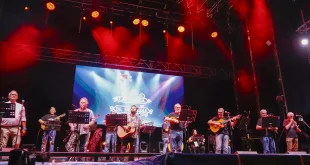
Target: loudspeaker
x: 246, y: 152
x: 297, y: 153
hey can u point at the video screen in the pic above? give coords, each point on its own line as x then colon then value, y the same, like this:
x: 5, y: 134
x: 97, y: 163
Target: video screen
x: 114, y: 89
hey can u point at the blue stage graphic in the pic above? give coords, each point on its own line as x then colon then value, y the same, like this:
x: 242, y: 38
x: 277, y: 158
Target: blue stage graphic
x: 107, y: 89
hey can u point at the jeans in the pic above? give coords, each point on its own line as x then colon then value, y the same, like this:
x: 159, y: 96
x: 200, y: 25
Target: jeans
x: 165, y: 142
x: 173, y: 136
x: 221, y: 141
x: 110, y: 137
x: 291, y: 144
x: 48, y: 135
x: 137, y: 148
x: 83, y: 139
x: 268, y: 144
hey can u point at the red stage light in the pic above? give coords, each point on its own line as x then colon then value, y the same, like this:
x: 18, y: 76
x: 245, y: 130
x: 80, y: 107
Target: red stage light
x: 145, y: 22
x: 95, y: 14
x: 214, y: 34
x: 181, y: 29
x: 26, y: 8
x: 50, y: 6
x: 136, y: 21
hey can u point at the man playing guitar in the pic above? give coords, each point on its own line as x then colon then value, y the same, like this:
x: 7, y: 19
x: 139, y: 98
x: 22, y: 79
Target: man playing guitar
x: 134, y: 121
x: 176, y: 129
x: 222, y: 136
x: 48, y: 134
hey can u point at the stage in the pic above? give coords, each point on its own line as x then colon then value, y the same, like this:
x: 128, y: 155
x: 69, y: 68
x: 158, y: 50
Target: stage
x: 242, y: 158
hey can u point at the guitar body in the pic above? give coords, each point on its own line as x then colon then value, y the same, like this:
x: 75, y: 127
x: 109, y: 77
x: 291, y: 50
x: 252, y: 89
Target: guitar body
x: 123, y: 131
x: 216, y: 128
x: 43, y: 126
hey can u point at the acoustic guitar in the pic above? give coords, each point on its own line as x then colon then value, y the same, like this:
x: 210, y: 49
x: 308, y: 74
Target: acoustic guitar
x: 129, y: 129
x: 43, y: 126
x: 215, y: 128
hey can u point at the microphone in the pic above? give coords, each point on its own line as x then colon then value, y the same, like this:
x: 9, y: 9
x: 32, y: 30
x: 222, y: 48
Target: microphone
x: 298, y: 115
x: 227, y: 112
x: 74, y: 106
x: 23, y: 101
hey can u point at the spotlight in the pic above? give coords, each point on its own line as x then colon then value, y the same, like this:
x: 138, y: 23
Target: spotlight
x: 164, y: 31
x: 50, y: 6
x: 111, y: 22
x: 95, y: 14
x: 145, y: 22
x: 84, y: 18
x: 304, y: 41
x: 181, y: 29
x: 214, y: 34
x: 26, y: 8
x: 136, y: 21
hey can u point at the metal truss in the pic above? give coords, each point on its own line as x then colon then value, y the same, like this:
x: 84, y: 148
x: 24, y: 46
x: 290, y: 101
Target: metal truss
x: 304, y: 27
x: 85, y: 58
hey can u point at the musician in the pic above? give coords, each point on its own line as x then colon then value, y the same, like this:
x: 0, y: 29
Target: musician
x: 134, y: 138
x: 48, y: 134
x: 292, y: 129
x: 10, y: 127
x: 266, y: 139
x: 83, y: 129
x: 165, y: 136
x: 110, y: 136
x: 176, y: 129
x: 195, y: 143
x: 222, y: 136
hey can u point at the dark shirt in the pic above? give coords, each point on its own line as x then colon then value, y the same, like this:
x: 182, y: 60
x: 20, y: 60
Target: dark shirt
x: 291, y: 132
x: 263, y: 132
x: 176, y: 126
x: 225, y: 129
x: 48, y: 117
x: 164, y: 133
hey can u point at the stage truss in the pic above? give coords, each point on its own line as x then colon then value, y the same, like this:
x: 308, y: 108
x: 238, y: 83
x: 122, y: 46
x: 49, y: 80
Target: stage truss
x: 116, y: 62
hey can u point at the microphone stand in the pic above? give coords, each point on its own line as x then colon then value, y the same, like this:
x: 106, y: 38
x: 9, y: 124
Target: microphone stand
x: 20, y: 122
x: 230, y: 133
x: 305, y: 123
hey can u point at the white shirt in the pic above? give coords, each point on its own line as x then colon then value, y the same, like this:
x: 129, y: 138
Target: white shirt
x: 81, y: 128
x: 19, y: 110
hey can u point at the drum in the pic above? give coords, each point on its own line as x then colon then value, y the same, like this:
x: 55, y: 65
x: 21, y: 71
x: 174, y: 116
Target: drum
x: 169, y: 147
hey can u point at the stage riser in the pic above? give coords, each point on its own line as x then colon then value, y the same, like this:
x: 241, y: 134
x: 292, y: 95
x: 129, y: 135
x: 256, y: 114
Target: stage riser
x: 259, y: 159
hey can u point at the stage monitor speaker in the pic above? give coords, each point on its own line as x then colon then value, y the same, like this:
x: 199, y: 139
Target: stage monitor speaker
x: 246, y: 152
x: 297, y: 153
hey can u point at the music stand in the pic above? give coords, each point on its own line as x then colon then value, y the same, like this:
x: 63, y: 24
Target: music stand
x: 187, y: 115
x: 53, y: 125
x: 150, y: 130
x: 7, y: 110
x: 114, y: 120
x: 270, y: 122
x: 78, y: 117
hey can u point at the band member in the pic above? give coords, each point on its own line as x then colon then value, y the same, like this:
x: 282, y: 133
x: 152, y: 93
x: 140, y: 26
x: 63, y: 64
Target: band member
x: 266, y: 139
x: 48, y: 134
x: 165, y: 136
x: 176, y: 129
x: 10, y: 126
x: 292, y: 129
x: 83, y: 129
x: 110, y: 136
x: 222, y: 136
x: 196, y: 142
x: 134, y: 138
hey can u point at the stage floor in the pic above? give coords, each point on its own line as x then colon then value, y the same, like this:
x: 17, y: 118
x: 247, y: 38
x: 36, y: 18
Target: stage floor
x: 75, y: 163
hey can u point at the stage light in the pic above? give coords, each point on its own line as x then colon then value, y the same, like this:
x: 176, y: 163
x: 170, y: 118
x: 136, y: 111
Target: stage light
x: 304, y: 41
x: 136, y: 21
x: 181, y: 29
x: 214, y: 34
x: 164, y: 31
x: 95, y: 14
x: 145, y: 22
x: 50, y: 6
x: 111, y: 22
x: 26, y: 8
x: 84, y: 18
